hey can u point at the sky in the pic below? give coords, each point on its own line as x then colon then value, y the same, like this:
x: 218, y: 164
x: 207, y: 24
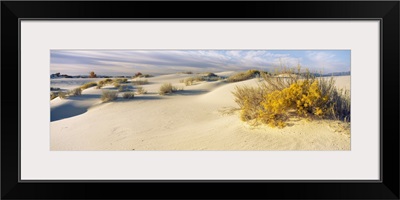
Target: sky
x: 129, y: 62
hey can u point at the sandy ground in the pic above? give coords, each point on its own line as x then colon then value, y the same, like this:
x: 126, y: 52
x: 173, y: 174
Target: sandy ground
x: 196, y: 118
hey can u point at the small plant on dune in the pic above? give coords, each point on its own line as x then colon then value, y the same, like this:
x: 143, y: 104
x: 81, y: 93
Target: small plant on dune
x: 122, y: 88
x: 140, y: 82
x: 75, y: 92
x: 120, y: 80
x: 277, y: 99
x: 143, y: 76
x: 140, y: 90
x: 198, y: 78
x: 108, y: 80
x: 241, y: 76
x: 249, y: 100
x: 108, y: 95
x: 54, y: 89
x: 62, y: 95
x: 128, y: 95
x: 185, y: 72
x: 189, y: 81
x: 104, y: 82
x: 210, y: 74
x: 88, y: 85
x: 167, y: 88
x: 53, y: 95
x: 116, y: 84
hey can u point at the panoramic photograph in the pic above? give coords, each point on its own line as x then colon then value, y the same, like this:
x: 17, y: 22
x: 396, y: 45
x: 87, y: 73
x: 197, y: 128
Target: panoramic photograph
x: 215, y: 100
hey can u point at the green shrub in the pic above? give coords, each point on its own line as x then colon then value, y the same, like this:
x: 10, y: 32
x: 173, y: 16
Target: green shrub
x: 88, y: 85
x: 108, y: 95
x: 128, y: 95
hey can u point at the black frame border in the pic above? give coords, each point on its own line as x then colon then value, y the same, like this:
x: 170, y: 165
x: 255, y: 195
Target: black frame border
x: 385, y: 11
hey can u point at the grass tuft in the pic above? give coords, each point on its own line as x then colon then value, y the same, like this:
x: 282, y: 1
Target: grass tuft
x: 167, y: 88
x: 140, y: 82
x: 128, y: 95
x: 108, y: 95
x: 140, y: 90
x: 88, y: 85
x: 75, y: 92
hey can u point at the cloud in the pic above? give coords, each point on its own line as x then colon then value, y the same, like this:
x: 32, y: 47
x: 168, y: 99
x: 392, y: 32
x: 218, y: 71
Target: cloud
x: 327, y: 61
x: 166, y: 61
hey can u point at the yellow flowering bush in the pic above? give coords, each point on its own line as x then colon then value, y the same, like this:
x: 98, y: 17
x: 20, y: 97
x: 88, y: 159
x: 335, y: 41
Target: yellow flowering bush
x: 303, y: 97
x: 276, y: 100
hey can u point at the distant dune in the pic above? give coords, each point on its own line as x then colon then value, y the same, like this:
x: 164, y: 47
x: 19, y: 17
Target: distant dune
x: 198, y: 118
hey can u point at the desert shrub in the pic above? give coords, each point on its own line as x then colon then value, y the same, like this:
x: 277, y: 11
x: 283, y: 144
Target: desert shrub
x: 121, y: 80
x: 249, y: 100
x: 88, y: 85
x: 189, y: 81
x: 116, y: 84
x: 54, y: 89
x: 53, y: 95
x: 75, y: 92
x: 140, y: 90
x: 128, y: 95
x: 143, y: 76
x: 185, y: 72
x: 140, y: 82
x: 167, y: 88
x: 108, y: 80
x: 104, y: 82
x: 274, y: 101
x: 210, y: 74
x: 62, y: 95
x: 108, y: 95
x: 198, y: 78
x: 241, y: 76
x: 92, y: 75
x: 122, y: 88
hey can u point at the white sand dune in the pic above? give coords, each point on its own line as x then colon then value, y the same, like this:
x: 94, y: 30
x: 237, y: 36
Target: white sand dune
x: 192, y: 119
